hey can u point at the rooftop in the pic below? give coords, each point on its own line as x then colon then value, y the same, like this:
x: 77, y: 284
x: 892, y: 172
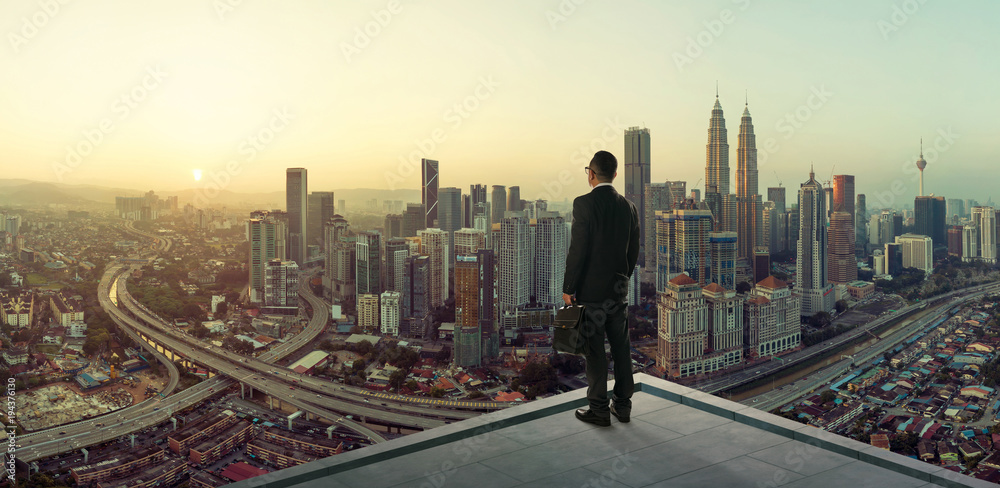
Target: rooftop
x: 677, y: 437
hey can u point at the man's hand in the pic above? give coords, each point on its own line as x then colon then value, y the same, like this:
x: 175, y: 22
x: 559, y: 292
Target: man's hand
x: 568, y: 299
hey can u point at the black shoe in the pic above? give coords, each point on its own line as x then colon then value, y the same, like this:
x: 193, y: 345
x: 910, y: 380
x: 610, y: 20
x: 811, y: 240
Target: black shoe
x: 592, y: 418
x: 621, y: 418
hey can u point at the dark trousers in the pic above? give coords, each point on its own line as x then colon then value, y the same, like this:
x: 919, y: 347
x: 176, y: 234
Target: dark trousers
x: 608, y: 319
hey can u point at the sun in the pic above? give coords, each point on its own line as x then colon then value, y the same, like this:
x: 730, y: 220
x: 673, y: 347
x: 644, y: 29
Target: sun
x: 197, y: 174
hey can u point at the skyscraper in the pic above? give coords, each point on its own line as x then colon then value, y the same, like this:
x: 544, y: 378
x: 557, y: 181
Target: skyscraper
x: 637, y: 173
x: 414, y: 219
x: 717, y: 152
x: 369, y: 314
x: 811, y: 251
x: 477, y: 205
x: 843, y: 267
x: 498, y: 199
x: 468, y: 241
x: 368, y: 272
x: 771, y: 317
x: 513, y: 264
x: 393, y: 226
x: 450, y: 214
x: 921, y: 164
x: 682, y: 245
x: 429, y: 191
x: 657, y: 196
x: 416, y: 294
x: 296, y: 189
x: 748, y: 202
x: 281, y: 287
x: 861, y: 225
x: 779, y: 221
x: 548, y: 265
x: 514, y: 199
x: 434, y: 243
x: 929, y: 218
x: 321, y: 209
x: 468, y: 339
x: 396, y: 252
x: 266, y: 234
x: 391, y: 308
x: 984, y: 235
x: 722, y: 249
x: 917, y: 251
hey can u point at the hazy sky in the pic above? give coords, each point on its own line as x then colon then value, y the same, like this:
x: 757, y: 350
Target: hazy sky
x: 143, y: 93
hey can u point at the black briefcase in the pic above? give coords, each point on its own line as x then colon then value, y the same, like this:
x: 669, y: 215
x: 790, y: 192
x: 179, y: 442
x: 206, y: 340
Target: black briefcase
x: 567, y: 331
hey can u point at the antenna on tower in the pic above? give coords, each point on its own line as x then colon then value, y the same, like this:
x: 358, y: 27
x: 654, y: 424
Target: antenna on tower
x: 716, y: 88
x: 777, y: 177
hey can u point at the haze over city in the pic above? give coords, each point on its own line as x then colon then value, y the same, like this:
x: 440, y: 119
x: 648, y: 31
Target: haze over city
x: 509, y: 93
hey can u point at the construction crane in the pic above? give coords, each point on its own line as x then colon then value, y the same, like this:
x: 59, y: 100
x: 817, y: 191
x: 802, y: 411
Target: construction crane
x: 777, y: 177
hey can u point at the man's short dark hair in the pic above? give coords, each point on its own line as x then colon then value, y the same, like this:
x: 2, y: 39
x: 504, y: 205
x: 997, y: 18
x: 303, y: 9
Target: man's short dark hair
x: 604, y: 165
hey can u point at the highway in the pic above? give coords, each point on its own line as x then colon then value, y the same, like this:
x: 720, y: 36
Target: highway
x: 790, y: 392
x: 762, y: 371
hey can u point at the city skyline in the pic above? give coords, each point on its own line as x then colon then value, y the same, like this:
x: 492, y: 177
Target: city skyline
x: 238, y: 76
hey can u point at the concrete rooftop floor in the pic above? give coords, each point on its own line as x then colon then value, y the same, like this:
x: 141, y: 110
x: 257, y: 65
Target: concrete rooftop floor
x: 678, y: 437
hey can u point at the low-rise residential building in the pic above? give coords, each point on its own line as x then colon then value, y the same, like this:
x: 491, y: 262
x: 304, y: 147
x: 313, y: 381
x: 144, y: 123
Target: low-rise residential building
x: 214, y: 447
x: 117, y: 466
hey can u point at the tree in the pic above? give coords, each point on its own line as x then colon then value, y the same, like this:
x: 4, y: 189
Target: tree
x: 221, y: 309
x: 397, y: 379
x: 827, y: 396
x: 841, y: 306
x: 743, y: 287
x: 436, y: 392
x: 820, y: 319
x: 443, y: 356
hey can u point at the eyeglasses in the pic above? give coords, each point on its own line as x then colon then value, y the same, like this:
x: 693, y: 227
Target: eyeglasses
x: 587, y: 170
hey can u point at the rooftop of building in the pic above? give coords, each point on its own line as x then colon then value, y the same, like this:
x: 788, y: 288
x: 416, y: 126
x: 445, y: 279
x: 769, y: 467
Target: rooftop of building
x: 284, y: 450
x: 772, y: 283
x: 677, y: 437
x: 308, y: 439
x: 220, y: 437
x: 117, y: 460
x: 202, y: 424
x: 145, y: 476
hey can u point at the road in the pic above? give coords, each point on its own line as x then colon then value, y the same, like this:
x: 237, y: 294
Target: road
x: 762, y: 371
x: 792, y: 391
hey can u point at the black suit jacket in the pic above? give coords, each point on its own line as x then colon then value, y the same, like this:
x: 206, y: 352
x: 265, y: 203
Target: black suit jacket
x: 604, y: 247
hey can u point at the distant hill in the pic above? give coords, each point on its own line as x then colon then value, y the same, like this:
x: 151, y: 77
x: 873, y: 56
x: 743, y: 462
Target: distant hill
x: 27, y: 192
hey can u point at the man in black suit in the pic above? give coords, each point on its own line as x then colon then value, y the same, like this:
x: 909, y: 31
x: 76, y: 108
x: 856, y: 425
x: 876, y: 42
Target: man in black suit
x: 602, y: 256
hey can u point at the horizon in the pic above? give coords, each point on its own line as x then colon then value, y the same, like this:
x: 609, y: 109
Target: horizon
x: 250, y: 90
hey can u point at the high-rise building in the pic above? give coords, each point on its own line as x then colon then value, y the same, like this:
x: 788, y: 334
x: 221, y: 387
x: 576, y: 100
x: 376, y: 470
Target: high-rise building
x: 468, y: 294
x: 956, y: 210
x: 929, y: 218
x: 722, y: 249
x: 955, y: 241
x: 477, y: 205
x: 861, y: 225
x: 368, y: 312
x: 748, y: 202
x: 393, y: 226
x: 368, y: 273
x: 918, y: 252
x: 416, y: 294
x: 434, y: 243
x: 490, y: 342
x: 811, y: 251
x: 414, y: 219
x: 450, y: 214
x: 321, y: 209
x: 281, y: 286
x: 843, y: 267
x: 637, y: 173
x: 725, y: 328
x: 498, y: 201
x: 296, y: 189
x: 761, y: 264
x: 893, y: 258
x: 339, y: 278
x: 514, y: 199
x: 771, y: 316
x: 779, y: 220
x: 513, y: 247
x: 429, y: 191
x: 682, y: 245
x: 391, y: 308
x: 548, y: 263
x: 266, y: 234
x: 396, y: 252
x: 468, y: 241
x: 657, y: 197
x: 727, y: 220
x: 980, y: 236
x: 682, y: 329
x: 717, y: 152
